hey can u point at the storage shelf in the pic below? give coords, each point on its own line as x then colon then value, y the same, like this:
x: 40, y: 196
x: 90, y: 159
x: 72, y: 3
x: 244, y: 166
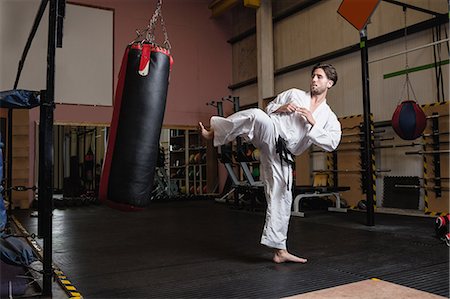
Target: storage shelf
x: 188, y: 148
x: 177, y: 151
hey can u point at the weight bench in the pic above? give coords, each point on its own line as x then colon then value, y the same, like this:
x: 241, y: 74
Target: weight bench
x: 249, y: 191
x: 241, y: 186
x: 309, y: 191
x: 249, y: 177
x: 236, y: 184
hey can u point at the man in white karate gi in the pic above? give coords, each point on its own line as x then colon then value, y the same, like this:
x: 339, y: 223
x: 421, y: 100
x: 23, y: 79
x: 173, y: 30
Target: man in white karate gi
x: 293, y: 121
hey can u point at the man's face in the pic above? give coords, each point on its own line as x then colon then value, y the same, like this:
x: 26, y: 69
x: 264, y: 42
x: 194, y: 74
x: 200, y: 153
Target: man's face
x: 319, y: 82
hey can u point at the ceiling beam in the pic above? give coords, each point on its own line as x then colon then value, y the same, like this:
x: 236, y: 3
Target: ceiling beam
x: 252, y: 3
x: 218, y: 7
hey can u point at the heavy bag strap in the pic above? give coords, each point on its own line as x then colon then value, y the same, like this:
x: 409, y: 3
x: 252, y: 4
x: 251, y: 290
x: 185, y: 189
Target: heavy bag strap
x: 149, y: 31
x: 285, y: 155
x: 407, y: 85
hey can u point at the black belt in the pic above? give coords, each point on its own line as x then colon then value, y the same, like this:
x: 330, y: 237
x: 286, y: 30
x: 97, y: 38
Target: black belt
x: 285, y: 154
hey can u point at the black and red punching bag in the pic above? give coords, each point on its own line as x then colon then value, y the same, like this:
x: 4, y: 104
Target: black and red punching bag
x: 133, y: 142
x: 409, y: 120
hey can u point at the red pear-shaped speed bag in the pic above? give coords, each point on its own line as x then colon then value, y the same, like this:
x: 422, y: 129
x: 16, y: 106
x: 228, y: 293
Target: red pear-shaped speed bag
x: 133, y: 141
x: 409, y: 120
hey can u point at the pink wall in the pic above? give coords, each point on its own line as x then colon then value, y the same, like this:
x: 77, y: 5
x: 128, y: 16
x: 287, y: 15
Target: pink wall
x: 202, y: 57
x: 202, y: 62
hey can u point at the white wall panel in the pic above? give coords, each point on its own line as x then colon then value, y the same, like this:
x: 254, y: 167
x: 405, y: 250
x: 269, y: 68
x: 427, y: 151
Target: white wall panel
x: 84, y: 66
x: 248, y: 95
x: 346, y: 97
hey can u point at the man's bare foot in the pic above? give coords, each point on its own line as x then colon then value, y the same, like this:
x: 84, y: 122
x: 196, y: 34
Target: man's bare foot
x: 208, y: 135
x: 283, y: 256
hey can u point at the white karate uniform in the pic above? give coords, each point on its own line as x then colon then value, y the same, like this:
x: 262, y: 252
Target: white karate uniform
x: 263, y: 130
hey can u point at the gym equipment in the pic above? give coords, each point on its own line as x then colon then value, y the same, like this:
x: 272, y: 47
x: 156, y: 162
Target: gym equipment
x: 363, y: 133
x: 47, y: 106
x: 441, y: 227
x: 89, y: 168
x: 256, y: 154
x: 349, y: 170
x: 248, y: 190
x: 428, y: 152
x: 132, y: 151
x: 162, y: 189
x: 437, y: 151
x: 411, y: 50
x: 366, y: 155
x: 133, y: 144
x: 408, y: 120
x: 245, y: 152
x: 422, y: 187
x: 347, y: 167
x: 408, y: 145
x: 398, y: 197
x: 362, y: 204
x: 19, y: 98
x: 16, y: 99
x: 358, y: 14
x: 435, y: 134
x: 197, y: 158
x: 317, y: 191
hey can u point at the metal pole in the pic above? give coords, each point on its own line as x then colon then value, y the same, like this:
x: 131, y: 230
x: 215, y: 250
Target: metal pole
x: 9, y: 173
x: 433, y: 13
x: 94, y: 184
x: 367, y: 128
x: 46, y: 157
x: 220, y: 109
x: 236, y: 105
x: 37, y: 21
x: 411, y: 50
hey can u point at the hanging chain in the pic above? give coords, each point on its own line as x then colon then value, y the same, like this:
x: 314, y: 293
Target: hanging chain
x: 167, y: 44
x: 407, y: 84
x: 149, y: 31
x: 406, y: 53
x: 150, y: 36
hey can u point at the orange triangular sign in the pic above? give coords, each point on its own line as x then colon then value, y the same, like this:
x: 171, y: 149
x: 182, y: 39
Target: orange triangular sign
x: 358, y: 12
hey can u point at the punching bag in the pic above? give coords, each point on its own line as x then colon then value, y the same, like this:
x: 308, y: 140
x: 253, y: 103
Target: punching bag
x: 409, y: 120
x: 133, y: 142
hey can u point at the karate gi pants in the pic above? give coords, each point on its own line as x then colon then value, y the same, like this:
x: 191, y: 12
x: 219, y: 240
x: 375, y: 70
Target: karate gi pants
x: 257, y: 127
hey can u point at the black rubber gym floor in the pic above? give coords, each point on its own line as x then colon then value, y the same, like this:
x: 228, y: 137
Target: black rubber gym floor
x: 202, y: 249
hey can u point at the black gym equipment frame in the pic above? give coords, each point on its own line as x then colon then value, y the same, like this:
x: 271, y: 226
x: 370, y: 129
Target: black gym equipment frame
x: 46, y: 149
x: 47, y: 106
x: 368, y: 127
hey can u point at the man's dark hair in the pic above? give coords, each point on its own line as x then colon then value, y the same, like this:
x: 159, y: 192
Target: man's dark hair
x: 329, y: 70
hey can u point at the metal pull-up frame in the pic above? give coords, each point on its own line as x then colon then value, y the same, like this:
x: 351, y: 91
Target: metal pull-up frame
x: 45, y: 197
x: 358, y: 14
